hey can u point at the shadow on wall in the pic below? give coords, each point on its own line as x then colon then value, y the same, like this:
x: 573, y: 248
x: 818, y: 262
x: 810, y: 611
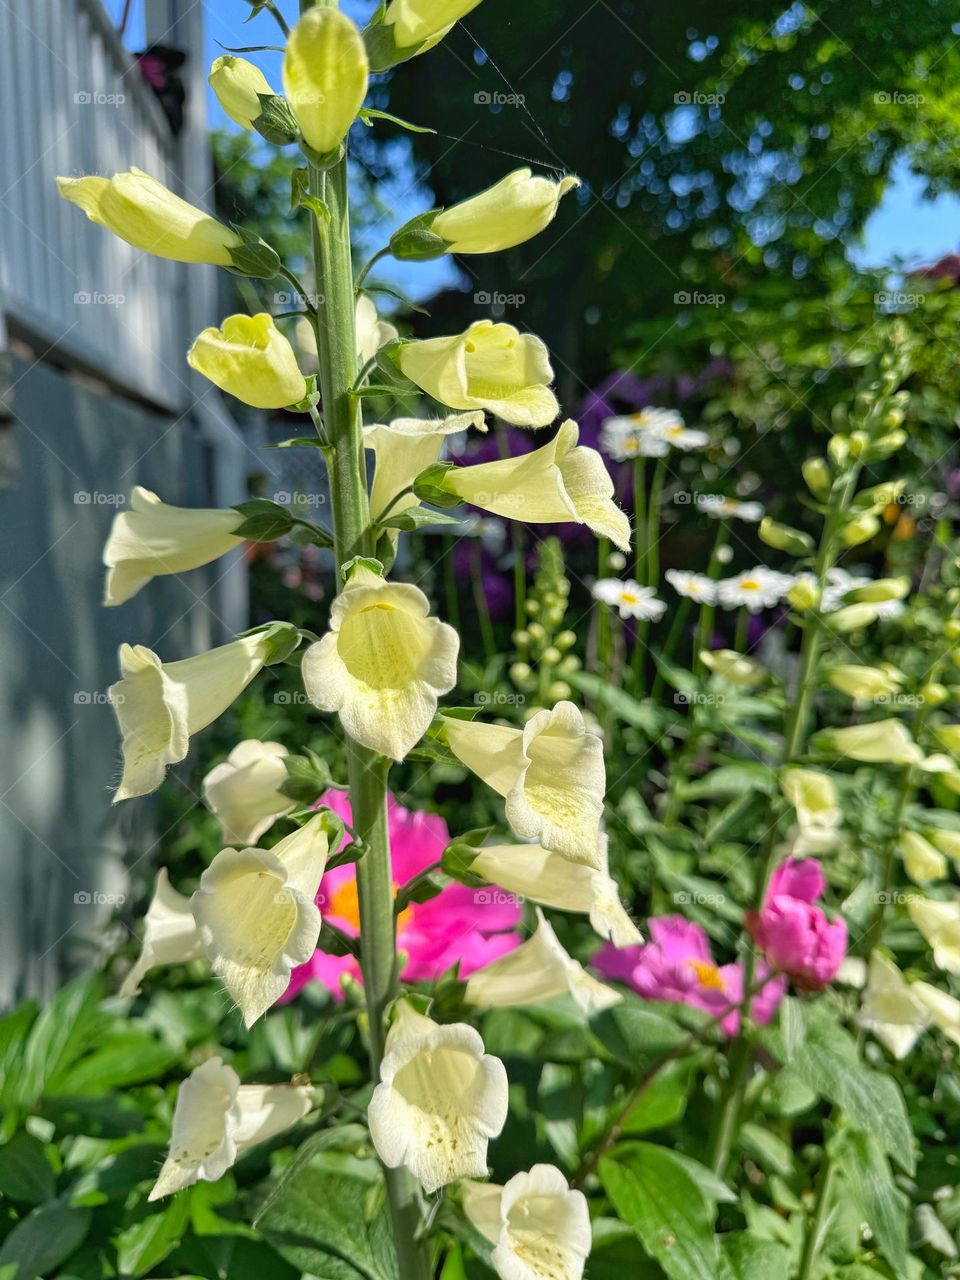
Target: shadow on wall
x: 69, y: 456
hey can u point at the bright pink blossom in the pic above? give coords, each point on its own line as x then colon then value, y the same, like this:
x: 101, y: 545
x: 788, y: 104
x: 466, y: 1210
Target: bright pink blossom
x: 794, y: 934
x: 469, y: 925
x: 677, y: 964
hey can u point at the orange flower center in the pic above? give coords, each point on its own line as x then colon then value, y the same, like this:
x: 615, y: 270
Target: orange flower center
x: 345, y: 905
x: 708, y: 974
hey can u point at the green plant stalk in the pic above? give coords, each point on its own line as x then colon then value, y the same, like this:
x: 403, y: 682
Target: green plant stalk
x: 653, y: 523
x: 640, y: 519
x: 817, y: 1226
x: 480, y: 600
x: 740, y: 633
x: 701, y: 637
x: 680, y: 616
x: 337, y: 359
x: 728, y: 1113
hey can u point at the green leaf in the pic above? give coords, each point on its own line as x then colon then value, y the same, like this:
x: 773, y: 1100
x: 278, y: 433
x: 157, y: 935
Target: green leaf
x: 660, y: 1105
x: 141, y: 1247
x: 870, y: 1100
x: 41, y: 1242
x: 751, y: 1259
x: 642, y: 715
x: 60, y: 1034
x: 26, y: 1174
x: 368, y: 113
x: 657, y: 1197
x: 126, y: 1060
x: 630, y: 1030
x: 768, y: 1150
x: 321, y: 1225
x: 731, y: 780
x: 264, y: 521
x: 676, y: 677
x: 867, y: 1172
x: 416, y: 518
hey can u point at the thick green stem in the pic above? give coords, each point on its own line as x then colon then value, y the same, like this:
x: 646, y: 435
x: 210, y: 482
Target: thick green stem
x: 817, y: 1225
x: 338, y: 363
x: 701, y: 637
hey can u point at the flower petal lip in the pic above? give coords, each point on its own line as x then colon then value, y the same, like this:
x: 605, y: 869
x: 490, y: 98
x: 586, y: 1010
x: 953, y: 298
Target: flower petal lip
x: 439, y: 1101
x: 170, y: 934
x: 383, y: 664
x: 142, y: 211
x: 153, y: 538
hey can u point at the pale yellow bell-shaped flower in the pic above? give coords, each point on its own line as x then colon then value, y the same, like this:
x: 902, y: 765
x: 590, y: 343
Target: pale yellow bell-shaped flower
x: 489, y: 366
x: 151, y: 538
x: 244, y: 791
x: 892, y: 1009
x: 561, y: 482
x: 880, y: 742
x: 250, y: 358
x: 852, y: 617
x: 170, y: 934
x: 539, y: 969
x: 939, y: 922
x: 879, y: 591
x: 943, y: 1008
x: 513, y: 210
x: 949, y: 735
x: 325, y: 76
x: 921, y: 861
x: 418, y: 21
x: 946, y: 841
x: 865, y: 684
x: 257, y: 917
x: 540, y: 875
x: 217, y: 1119
x: 383, y: 664
x: 160, y: 705
x: 550, y: 774
x: 405, y: 447
x: 142, y: 211
x: 372, y: 332
x: 733, y: 666
x: 539, y: 1227
x: 819, y: 817
x: 238, y: 85
x: 440, y: 1100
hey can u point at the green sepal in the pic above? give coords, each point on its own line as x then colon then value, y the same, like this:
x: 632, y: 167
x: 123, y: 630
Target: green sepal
x: 382, y: 50
x: 428, y: 486
x: 264, y: 521
x: 283, y: 637
x: 415, y: 518
x: 367, y: 562
x: 416, y: 242
x: 253, y: 257
x: 276, y: 122
x: 323, y: 159
x: 367, y: 115
x: 308, y: 776
x: 420, y: 889
x: 309, y: 400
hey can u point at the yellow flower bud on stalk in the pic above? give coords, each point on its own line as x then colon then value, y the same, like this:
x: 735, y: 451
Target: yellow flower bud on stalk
x: 142, y: 211
x: 238, y: 85
x: 325, y: 76
x: 251, y: 359
x: 784, y: 538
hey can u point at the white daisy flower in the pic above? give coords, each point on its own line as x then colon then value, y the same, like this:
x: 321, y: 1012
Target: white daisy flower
x: 758, y: 588
x: 630, y: 598
x: 729, y: 509
x: 684, y: 438
x: 692, y: 586
x: 640, y: 435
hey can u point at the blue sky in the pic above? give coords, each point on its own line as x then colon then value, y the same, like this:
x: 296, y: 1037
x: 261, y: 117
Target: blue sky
x: 904, y: 227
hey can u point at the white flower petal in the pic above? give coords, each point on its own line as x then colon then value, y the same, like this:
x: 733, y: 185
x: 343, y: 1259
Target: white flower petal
x: 170, y: 934
x: 244, y: 791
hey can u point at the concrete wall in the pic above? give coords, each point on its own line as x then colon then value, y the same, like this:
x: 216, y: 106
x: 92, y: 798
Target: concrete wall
x: 68, y: 454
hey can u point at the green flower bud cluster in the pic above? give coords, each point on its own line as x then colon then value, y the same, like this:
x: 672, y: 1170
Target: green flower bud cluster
x: 544, y: 645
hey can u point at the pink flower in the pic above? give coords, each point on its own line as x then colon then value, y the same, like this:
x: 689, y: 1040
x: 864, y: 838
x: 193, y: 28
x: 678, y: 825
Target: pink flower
x: 677, y: 964
x: 459, y: 924
x: 795, y: 935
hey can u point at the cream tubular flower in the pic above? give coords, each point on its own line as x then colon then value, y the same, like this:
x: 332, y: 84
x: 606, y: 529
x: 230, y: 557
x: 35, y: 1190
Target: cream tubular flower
x: 141, y: 210
x: 170, y: 934
x: 540, y: 875
x: 550, y: 773
x: 939, y: 922
x: 538, y: 970
x: 515, y: 209
x: 249, y: 358
x: 325, y: 76
x: 865, y: 684
x: 490, y: 366
x: 244, y: 791
x: 404, y: 448
x: 383, y: 664
x: 419, y: 21
x: 880, y: 742
x: 943, y: 1008
x: 921, y: 861
x: 439, y: 1101
x: 733, y: 666
x: 813, y: 796
x: 372, y: 332
x: 539, y: 1228
x: 892, y: 1009
x: 160, y: 705
x: 256, y: 914
x: 238, y: 85
x: 561, y: 482
x: 152, y: 538
x: 217, y: 1119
